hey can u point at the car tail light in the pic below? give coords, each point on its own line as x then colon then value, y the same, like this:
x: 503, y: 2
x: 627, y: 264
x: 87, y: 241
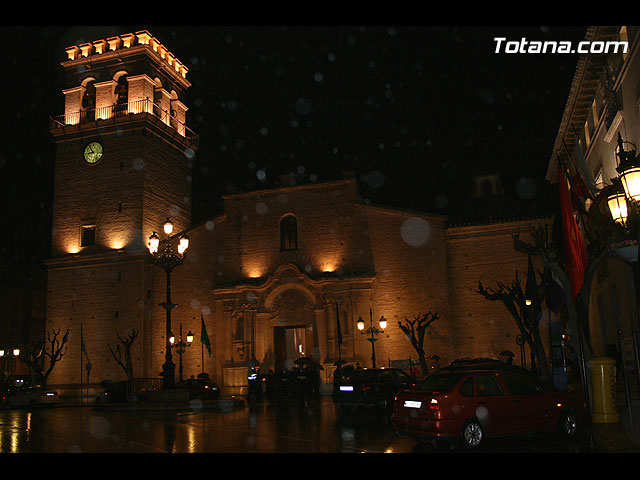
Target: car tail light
x: 364, y: 388
x: 434, y: 405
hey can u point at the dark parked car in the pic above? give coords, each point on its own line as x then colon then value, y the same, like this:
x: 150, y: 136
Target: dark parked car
x: 469, y: 403
x: 115, y: 392
x: 199, y: 388
x: 376, y: 386
x: 136, y: 389
x: 28, y: 396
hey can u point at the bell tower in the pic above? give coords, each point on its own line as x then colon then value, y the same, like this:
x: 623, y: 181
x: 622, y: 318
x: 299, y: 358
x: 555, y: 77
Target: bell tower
x: 123, y: 166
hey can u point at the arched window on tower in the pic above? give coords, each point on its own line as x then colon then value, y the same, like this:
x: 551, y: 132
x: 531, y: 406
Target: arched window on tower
x: 288, y: 233
x: 89, y: 101
x: 122, y: 94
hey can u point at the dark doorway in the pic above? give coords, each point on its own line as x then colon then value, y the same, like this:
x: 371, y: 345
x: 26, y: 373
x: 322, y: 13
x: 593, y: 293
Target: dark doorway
x: 290, y: 343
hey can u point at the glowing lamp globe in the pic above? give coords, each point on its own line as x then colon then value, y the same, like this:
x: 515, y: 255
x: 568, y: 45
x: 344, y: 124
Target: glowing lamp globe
x: 630, y: 178
x: 183, y: 245
x: 168, y: 227
x: 618, y: 207
x: 154, y: 242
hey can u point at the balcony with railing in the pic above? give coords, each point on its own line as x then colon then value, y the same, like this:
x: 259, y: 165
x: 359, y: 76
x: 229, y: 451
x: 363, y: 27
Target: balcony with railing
x: 123, y: 110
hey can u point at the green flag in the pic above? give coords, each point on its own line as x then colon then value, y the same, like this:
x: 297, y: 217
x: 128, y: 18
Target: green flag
x: 204, y: 338
x: 82, y: 346
x: 338, y: 325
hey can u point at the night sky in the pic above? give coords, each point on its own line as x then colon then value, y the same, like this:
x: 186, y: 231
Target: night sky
x: 414, y: 112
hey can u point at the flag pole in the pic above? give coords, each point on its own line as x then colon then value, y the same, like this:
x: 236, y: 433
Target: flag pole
x: 575, y: 284
x: 81, y: 376
x: 204, y: 339
x: 339, y: 332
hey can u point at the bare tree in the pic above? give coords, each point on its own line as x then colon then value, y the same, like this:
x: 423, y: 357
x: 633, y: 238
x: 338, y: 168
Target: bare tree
x: 415, y: 331
x: 601, y: 237
x: 513, y: 298
x: 127, y: 362
x: 53, y: 349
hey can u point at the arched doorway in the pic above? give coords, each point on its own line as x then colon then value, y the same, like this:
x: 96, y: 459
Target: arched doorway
x: 290, y: 343
x: 293, y: 323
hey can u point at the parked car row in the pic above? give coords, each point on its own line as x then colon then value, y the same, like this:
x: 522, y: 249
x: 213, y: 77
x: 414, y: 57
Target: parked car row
x: 467, y: 402
x: 119, y: 392
x: 114, y: 392
x: 199, y: 388
x: 28, y: 396
x: 371, y: 387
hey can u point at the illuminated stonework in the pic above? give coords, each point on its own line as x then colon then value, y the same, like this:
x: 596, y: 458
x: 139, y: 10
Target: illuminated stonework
x: 98, y: 272
x: 128, y: 40
x: 101, y: 99
x: 254, y: 284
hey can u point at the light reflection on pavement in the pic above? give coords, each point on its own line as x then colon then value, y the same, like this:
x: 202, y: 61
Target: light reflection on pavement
x: 310, y: 427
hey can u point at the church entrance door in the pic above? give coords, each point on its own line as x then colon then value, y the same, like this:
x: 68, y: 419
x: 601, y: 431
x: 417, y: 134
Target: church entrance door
x: 290, y: 343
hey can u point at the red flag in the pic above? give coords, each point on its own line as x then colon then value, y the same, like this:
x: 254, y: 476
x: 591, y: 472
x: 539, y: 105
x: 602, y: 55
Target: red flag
x: 579, y: 187
x: 575, y: 249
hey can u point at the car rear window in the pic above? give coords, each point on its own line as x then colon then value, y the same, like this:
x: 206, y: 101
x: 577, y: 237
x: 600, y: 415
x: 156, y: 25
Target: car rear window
x: 364, y: 376
x: 440, y: 382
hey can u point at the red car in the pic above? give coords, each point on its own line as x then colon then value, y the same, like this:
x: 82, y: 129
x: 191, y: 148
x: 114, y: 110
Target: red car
x: 474, y: 402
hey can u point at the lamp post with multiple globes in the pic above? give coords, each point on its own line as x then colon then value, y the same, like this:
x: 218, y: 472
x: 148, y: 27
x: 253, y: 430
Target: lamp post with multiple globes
x: 624, y: 196
x: 168, y: 259
x: 372, y: 333
x: 4, y: 356
x: 181, y: 344
x: 623, y: 200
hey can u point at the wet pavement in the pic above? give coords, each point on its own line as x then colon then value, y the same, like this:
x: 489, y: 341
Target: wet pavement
x: 236, y: 427
x: 310, y: 427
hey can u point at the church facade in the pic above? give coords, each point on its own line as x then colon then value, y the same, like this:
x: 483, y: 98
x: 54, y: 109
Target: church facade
x: 281, y: 274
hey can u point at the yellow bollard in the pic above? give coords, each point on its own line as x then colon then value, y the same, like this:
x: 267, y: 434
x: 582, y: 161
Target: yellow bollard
x: 603, y: 378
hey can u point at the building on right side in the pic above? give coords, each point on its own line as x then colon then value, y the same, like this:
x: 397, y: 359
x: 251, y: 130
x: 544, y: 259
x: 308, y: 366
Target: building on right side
x: 599, y: 126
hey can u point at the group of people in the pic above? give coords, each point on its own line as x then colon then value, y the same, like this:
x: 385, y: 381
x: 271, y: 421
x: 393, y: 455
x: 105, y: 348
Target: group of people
x: 296, y: 384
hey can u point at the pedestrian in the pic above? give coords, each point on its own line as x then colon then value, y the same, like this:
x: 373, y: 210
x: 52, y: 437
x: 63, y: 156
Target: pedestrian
x: 337, y: 376
x: 315, y: 382
x: 254, y: 386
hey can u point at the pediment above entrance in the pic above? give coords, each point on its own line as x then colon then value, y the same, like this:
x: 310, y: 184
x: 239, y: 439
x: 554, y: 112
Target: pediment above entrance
x: 288, y: 288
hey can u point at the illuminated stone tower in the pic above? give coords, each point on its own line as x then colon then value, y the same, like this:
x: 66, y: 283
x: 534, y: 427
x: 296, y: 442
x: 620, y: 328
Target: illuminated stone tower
x: 123, y: 166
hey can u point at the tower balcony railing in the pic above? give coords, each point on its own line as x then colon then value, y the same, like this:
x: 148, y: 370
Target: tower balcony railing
x: 123, y: 110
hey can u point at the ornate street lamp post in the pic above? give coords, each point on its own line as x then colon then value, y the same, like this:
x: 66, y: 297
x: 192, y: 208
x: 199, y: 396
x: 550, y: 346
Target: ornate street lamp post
x: 166, y: 258
x: 372, y: 333
x: 181, y: 347
x: 623, y: 198
x: 3, y: 356
x: 623, y: 201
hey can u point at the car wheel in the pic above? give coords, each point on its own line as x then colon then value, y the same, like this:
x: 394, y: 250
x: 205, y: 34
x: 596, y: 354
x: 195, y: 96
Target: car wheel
x: 568, y: 424
x: 382, y: 404
x: 472, y: 434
